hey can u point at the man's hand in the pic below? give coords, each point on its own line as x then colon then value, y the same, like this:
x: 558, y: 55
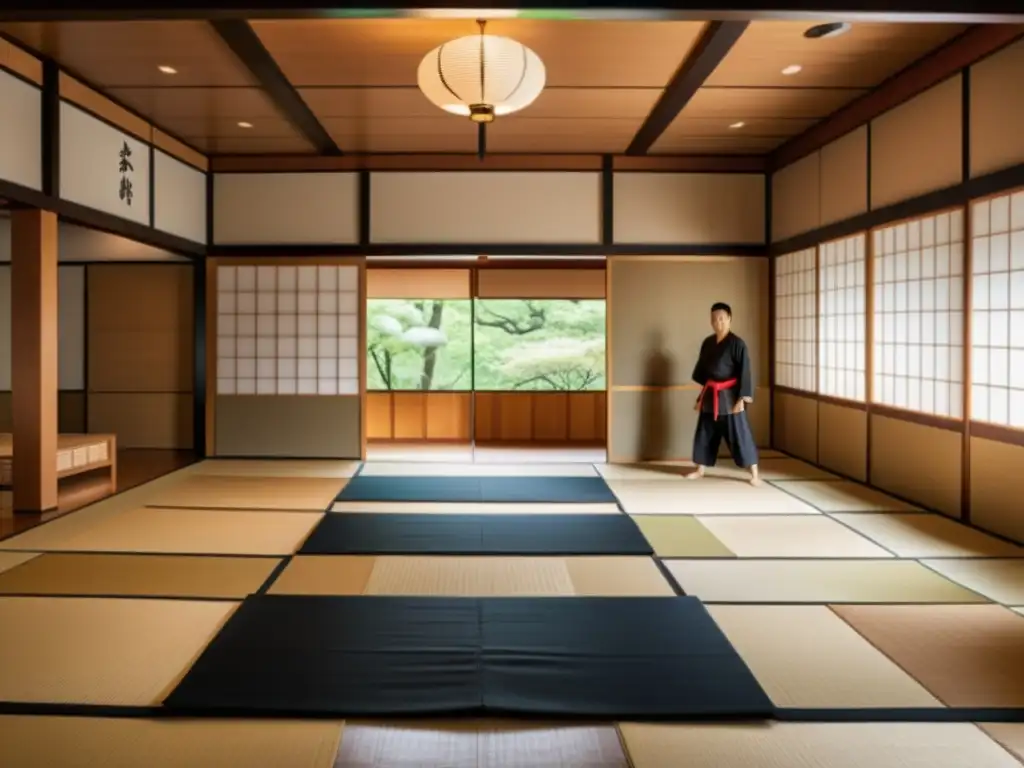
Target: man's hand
x: 739, y: 407
x: 696, y: 405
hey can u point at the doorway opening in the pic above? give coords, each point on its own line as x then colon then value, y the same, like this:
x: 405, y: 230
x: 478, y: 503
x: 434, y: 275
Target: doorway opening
x: 487, y: 360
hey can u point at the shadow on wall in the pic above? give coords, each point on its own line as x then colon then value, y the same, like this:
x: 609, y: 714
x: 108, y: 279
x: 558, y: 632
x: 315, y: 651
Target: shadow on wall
x: 656, y: 419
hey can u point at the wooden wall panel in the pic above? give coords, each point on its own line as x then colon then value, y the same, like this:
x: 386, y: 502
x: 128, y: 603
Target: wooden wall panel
x: 843, y: 440
x: 689, y: 208
x: 551, y: 417
x: 796, y: 425
x: 920, y: 463
x: 997, y: 487
x: 844, y: 177
x: 917, y: 147
x: 141, y: 353
x: 417, y: 283
x: 796, y: 198
x: 997, y: 111
x: 540, y: 283
x: 378, y: 416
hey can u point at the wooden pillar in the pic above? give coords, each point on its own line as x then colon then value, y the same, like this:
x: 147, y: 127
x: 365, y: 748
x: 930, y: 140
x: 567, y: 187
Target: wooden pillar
x: 34, y: 358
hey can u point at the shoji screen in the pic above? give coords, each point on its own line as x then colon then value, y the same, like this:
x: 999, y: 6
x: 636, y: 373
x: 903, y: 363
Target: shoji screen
x: 918, y: 332
x: 842, y: 331
x: 997, y: 310
x: 795, y: 318
x: 286, y: 330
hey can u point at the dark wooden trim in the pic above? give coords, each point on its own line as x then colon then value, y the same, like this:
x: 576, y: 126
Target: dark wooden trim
x: 950, y: 197
x: 936, y: 11
x: 492, y: 249
x: 915, y: 417
x: 607, y: 200
x: 690, y: 164
x: 199, y: 373
x: 243, y: 41
x: 945, y: 62
x: 967, y: 303
x: 797, y: 393
x: 85, y: 345
x: 480, y: 264
x: 365, y: 211
x: 51, y: 128
x: 152, y: 186
x: 997, y: 433
x: 105, y: 222
x: 711, y: 48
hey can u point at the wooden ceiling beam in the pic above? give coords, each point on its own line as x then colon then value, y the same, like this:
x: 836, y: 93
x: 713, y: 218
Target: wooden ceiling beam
x: 711, y: 47
x: 944, y: 62
x: 243, y: 41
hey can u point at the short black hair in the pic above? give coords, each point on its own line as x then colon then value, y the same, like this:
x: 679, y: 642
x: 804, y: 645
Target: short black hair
x: 721, y: 306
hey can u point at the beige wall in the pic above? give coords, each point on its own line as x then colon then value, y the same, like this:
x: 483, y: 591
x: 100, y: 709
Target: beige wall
x: 657, y: 319
x: 141, y: 354
x: 997, y: 111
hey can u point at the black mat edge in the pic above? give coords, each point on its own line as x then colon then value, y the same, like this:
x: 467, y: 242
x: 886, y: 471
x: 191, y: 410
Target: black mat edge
x: 781, y: 714
x: 612, y: 500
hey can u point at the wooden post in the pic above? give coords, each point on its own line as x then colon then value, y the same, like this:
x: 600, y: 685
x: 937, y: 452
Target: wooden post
x: 34, y: 358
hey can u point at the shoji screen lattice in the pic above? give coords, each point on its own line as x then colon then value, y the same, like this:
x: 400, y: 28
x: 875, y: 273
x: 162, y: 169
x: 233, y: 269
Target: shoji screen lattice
x: 795, y: 318
x: 284, y: 330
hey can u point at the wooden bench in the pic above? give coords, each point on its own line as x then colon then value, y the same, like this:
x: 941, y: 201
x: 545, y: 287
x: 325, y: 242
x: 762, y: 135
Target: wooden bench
x: 76, y: 455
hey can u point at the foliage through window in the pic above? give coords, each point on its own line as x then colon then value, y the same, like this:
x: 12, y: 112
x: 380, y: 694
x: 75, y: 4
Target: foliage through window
x: 423, y: 344
x: 513, y: 344
x: 542, y: 344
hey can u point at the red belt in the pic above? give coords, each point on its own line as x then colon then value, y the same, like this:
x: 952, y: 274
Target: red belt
x: 716, y: 387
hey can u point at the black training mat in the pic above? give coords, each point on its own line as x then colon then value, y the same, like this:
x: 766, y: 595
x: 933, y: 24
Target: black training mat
x: 523, y: 490
x: 402, y: 534
x: 611, y: 658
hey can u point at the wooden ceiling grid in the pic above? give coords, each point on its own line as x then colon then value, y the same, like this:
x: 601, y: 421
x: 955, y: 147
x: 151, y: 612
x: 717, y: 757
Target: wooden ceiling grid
x: 358, y: 78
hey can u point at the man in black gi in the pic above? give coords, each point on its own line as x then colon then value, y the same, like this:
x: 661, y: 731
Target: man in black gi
x: 727, y: 385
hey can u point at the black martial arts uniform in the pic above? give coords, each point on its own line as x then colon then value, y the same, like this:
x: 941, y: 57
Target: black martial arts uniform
x: 723, y: 371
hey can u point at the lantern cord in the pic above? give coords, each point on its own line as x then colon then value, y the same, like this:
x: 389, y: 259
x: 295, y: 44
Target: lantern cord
x: 481, y: 140
x: 483, y: 63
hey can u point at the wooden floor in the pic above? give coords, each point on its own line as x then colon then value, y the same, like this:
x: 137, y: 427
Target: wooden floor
x: 839, y: 598
x: 135, y: 467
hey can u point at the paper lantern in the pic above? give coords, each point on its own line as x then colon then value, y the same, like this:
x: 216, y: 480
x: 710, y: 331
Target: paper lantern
x: 482, y: 76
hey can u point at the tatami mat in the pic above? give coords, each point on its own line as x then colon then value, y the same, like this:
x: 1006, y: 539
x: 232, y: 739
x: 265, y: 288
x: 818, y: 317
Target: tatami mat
x: 87, y: 742
x: 814, y: 745
x: 999, y: 580
x: 152, y: 575
x: 323, y: 468
x: 479, y: 745
x: 805, y: 656
x: 10, y: 560
x: 241, y: 492
x: 680, y: 536
x: 928, y: 535
x: 843, y: 496
x: 182, y: 531
x: 816, y: 581
x: 966, y: 655
x: 472, y: 576
x: 484, y: 508
x: 651, y: 471
x: 468, y: 469
x: 792, y: 469
x: 1010, y: 735
x: 707, y: 496
x: 789, y: 536
x: 98, y: 651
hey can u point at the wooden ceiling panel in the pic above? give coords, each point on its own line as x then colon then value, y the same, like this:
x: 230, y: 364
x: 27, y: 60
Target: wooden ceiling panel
x: 585, y: 103
x: 166, y: 104
x: 712, y: 126
x: 715, y: 145
x: 529, y: 134
x: 861, y: 58
x: 400, y: 134
x: 114, y: 54
x: 255, y: 145
x: 732, y: 104
x: 387, y: 52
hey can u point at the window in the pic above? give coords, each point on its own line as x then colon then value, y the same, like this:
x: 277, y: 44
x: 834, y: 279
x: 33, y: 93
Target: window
x: 539, y: 344
x: 288, y: 330
x: 997, y: 310
x: 795, y: 312
x: 419, y: 344
x: 841, y: 327
x: 918, y: 319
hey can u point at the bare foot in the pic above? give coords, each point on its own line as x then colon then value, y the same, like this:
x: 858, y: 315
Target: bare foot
x: 755, y: 480
x: 697, y: 474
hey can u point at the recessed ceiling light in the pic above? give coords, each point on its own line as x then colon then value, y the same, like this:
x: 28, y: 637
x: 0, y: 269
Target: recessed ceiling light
x: 739, y: 124
x: 244, y: 124
x: 792, y: 69
x: 167, y: 70
x: 827, y: 30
